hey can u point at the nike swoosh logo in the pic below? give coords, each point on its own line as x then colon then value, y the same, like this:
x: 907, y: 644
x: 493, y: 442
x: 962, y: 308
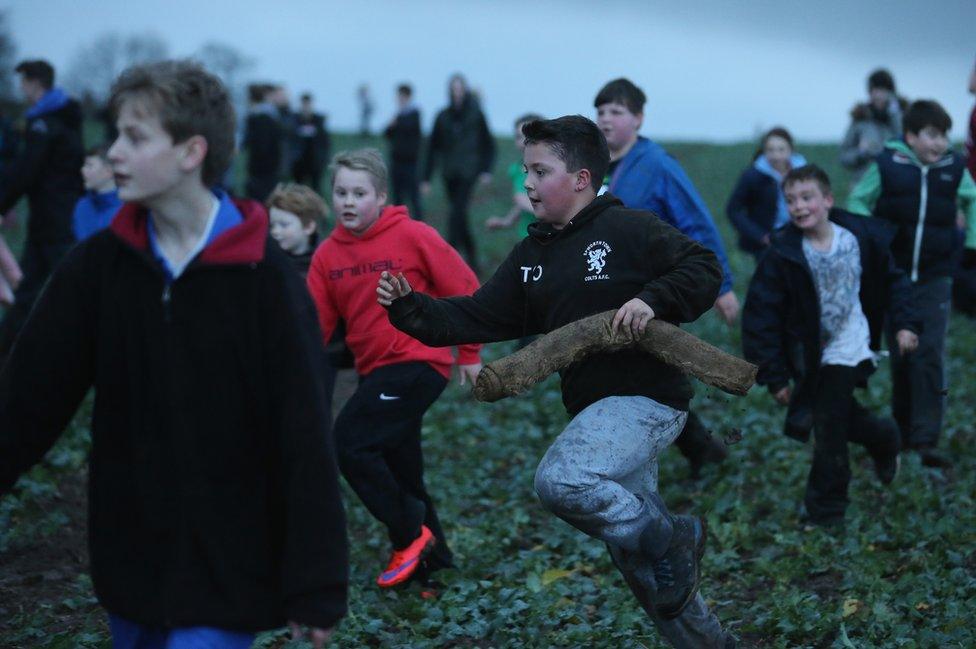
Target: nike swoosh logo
x: 392, y: 574
x: 384, y: 397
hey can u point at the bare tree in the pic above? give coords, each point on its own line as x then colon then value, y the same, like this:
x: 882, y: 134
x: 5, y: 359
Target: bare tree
x: 96, y: 65
x: 8, y: 54
x: 228, y: 63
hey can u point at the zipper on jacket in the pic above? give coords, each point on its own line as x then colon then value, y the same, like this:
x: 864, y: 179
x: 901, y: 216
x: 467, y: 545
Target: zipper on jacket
x: 167, y: 301
x: 920, y: 227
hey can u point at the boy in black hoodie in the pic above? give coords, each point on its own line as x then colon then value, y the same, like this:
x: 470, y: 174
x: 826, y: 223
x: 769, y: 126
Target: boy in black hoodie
x: 814, y: 314
x: 586, y: 255
x: 214, y: 501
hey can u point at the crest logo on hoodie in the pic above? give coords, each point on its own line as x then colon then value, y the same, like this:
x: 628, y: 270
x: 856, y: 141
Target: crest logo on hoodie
x: 596, y: 259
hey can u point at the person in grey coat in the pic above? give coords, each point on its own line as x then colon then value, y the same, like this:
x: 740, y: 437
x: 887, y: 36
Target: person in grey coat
x: 872, y: 124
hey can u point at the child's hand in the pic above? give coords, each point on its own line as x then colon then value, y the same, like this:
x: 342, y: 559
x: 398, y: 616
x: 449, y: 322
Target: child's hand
x: 727, y: 306
x: 907, y: 341
x: 484, y: 178
x: 495, y: 223
x: 392, y: 288
x: 318, y: 637
x: 783, y: 396
x: 468, y: 373
x: 425, y: 187
x: 633, y: 317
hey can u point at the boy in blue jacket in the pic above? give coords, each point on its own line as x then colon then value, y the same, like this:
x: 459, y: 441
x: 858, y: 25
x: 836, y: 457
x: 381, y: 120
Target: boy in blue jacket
x: 94, y: 210
x: 645, y: 177
x: 814, y: 313
x: 214, y: 505
x: 920, y: 186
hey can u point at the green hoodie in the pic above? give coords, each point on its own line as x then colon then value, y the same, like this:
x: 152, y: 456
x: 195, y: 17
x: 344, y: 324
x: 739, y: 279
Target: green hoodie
x: 865, y: 194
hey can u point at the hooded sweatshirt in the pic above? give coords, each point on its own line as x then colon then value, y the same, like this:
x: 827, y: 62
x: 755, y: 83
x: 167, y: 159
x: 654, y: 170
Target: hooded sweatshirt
x: 93, y: 212
x: 343, y: 277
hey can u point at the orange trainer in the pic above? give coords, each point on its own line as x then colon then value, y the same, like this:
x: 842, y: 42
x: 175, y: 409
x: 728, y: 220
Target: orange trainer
x: 405, y: 562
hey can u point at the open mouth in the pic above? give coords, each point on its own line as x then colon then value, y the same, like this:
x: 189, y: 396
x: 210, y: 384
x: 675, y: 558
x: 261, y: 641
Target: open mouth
x: 121, y: 179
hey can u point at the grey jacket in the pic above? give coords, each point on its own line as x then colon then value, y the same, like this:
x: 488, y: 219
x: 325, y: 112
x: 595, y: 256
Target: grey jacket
x: 866, y: 136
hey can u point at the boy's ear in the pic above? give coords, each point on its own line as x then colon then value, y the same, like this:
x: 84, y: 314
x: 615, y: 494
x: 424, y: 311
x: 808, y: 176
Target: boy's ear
x: 640, y: 119
x: 583, y: 179
x: 194, y: 152
x: 381, y: 198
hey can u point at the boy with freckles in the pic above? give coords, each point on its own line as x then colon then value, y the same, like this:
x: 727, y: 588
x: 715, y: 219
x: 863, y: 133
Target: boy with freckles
x: 214, y: 504
x: 584, y: 255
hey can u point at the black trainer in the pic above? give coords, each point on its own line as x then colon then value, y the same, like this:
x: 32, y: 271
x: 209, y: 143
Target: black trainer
x: 933, y: 458
x: 886, y: 455
x: 677, y: 572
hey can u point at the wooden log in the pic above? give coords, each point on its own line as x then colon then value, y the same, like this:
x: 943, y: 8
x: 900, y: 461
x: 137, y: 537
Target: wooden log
x: 570, y: 343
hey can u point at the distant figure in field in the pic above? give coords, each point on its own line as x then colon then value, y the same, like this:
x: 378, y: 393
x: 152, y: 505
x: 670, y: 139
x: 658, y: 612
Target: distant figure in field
x: 47, y: 172
x: 463, y: 147
x: 365, y: 109
x: 521, y: 209
x: 312, y: 145
x: 262, y: 140
x: 872, y: 124
x: 757, y: 205
x: 404, y: 136
x: 95, y: 210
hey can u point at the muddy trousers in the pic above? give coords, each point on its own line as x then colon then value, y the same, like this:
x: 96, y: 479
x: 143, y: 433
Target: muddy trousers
x: 600, y: 476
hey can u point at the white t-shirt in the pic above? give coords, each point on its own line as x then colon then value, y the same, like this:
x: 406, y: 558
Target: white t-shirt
x: 844, y: 331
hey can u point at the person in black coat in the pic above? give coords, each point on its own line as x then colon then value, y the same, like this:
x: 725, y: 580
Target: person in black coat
x: 263, y: 140
x: 312, y: 146
x: 404, y: 136
x: 462, y: 145
x: 48, y: 173
x: 799, y: 324
x: 757, y: 205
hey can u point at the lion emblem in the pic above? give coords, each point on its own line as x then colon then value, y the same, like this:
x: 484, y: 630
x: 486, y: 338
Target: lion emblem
x: 596, y: 260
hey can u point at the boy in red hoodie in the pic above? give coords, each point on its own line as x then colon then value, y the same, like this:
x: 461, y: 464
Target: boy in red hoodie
x: 378, y: 431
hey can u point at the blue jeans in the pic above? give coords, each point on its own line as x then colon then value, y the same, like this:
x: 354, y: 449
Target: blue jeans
x: 132, y: 635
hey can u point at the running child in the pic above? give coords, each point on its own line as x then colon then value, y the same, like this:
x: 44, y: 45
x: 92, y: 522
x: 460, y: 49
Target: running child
x: 588, y: 254
x: 378, y: 432
x: 814, y: 314
x: 521, y: 210
x: 920, y: 186
x: 214, y: 509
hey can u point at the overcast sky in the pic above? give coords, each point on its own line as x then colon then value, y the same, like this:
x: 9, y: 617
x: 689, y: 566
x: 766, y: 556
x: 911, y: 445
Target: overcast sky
x: 712, y: 69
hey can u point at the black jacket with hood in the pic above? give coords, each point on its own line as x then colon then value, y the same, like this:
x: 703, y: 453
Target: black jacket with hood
x: 604, y: 257
x: 781, y: 319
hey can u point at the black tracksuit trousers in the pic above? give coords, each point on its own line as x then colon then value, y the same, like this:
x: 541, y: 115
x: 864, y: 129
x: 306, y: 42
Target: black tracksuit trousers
x: 838, y: 419
x: 459, y: 192
x: 378, y: 446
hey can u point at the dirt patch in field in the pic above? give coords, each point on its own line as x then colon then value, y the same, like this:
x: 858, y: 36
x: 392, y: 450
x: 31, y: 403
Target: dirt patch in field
x: 42, y: 573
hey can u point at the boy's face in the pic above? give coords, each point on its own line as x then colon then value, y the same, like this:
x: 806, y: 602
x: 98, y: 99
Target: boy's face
x: 288, y: 231
x: 355, y: 200
x: 146, y: 162
x: 31, y: 89
x: 550, y: 187
x: 880, y: 98
x: 808, y: 205
x: 403, y: 99
x: 618, y: 124
x: 929, y: 144
x: 96, y: 173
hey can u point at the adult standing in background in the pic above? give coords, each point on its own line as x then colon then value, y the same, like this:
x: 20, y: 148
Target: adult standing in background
x: 462, y: 145
x: 872, y: 124
x: 404, y: 135
x: 263, y: 141
x: 313, y: 144
x: 48, y: 173
x: 365, y: 109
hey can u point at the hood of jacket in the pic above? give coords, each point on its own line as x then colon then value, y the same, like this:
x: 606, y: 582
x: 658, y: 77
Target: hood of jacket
x: 388, y: 218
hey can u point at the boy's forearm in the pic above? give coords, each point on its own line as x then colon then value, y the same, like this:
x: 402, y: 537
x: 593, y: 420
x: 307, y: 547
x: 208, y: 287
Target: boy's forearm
x: 436, y: 322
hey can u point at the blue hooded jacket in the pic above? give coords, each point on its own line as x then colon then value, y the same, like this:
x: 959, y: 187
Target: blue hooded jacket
x: 649, y: 179
x: 94, y: 212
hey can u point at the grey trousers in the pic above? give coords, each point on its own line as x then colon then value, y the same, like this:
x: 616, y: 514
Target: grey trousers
x: 918, y: 380
x: 600, y: 476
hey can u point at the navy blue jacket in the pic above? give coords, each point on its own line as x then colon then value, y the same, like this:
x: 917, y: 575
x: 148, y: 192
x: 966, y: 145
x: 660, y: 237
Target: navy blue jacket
x: 94, y: 212
x: 781, y: 318
x: 752, y: 208
x: 48, y: 170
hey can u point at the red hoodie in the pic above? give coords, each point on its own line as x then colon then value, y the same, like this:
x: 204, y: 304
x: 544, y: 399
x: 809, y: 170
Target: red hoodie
x: 343, y: 277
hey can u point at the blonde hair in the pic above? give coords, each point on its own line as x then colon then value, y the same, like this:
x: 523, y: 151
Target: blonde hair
x: 300, y: 200
x: 368, y: 160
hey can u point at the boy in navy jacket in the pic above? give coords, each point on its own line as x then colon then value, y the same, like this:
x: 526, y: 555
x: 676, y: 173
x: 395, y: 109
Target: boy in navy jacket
x: 584, y: 255
x: 214, y: 508
x: 813, y: 315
